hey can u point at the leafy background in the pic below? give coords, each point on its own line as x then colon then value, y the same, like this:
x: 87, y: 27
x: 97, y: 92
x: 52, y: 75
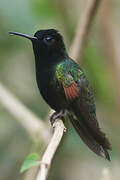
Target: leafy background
x: 17, y: 73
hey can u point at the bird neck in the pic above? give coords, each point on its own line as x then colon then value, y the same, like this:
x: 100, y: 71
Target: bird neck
x: 46, y: 63
x: 45, y: 68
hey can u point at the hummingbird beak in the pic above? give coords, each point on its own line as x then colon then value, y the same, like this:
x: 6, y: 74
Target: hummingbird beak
x: 24, y: 35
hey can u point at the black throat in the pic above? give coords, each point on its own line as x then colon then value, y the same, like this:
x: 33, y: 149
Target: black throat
x: 46, y: 60
x: 46, y: 65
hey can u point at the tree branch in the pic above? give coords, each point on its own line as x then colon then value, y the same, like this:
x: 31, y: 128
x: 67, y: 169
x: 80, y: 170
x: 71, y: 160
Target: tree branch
x: 59, y: 129
x: 110, y: 49
x: 32, y: 124
x: 83, y: 28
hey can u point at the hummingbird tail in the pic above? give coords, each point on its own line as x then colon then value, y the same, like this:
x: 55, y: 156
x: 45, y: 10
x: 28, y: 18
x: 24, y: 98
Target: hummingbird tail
x: 88, y: 138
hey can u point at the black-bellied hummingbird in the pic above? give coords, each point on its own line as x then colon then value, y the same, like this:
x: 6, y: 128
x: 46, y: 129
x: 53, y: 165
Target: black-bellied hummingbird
x: 65, y: 88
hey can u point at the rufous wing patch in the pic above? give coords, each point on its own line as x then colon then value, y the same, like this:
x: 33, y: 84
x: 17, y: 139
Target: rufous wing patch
x: 71, y: 92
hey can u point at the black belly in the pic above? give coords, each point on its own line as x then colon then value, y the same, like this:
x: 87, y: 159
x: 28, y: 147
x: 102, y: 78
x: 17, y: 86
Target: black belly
x: 55, y: 98
x: 52, y: 93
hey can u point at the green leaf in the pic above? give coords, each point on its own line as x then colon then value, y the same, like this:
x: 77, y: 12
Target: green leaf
x: 30, y: 161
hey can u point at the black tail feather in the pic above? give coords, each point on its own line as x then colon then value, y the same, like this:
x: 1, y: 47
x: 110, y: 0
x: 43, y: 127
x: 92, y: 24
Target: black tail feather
x: 88, y: 138
x: 107, y: 156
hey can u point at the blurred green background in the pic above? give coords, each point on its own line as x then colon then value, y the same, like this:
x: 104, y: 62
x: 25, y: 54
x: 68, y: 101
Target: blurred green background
x: 17, y: 72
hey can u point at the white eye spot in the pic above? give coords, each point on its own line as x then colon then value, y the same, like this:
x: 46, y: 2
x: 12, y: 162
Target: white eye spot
x: 49, y: 40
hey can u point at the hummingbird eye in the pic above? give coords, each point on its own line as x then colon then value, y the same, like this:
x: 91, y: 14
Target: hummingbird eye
x: 49, y: 40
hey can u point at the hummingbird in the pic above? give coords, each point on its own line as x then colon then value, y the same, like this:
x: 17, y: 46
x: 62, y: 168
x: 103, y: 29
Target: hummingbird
x: 65, y: 88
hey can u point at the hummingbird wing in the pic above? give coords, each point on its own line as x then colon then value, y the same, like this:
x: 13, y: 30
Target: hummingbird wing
x: 82, y: 105
x: 80, y: 98
x: 71, y: 91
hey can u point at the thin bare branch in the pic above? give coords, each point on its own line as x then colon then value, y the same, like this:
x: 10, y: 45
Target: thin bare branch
x: 83, y: 28
x: 108, y: 35
x: 46, y: 161
x: 32, y: 124
x: 109, y: 47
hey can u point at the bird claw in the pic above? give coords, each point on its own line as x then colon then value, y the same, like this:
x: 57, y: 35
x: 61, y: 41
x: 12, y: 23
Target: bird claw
x: 55, y: 116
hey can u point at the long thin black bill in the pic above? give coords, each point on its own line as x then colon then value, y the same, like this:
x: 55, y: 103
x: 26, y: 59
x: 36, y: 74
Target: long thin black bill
x: 24, y: 35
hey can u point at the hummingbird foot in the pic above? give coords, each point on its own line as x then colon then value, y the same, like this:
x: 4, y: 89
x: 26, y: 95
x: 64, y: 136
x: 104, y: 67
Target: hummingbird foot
x: 56, y: 115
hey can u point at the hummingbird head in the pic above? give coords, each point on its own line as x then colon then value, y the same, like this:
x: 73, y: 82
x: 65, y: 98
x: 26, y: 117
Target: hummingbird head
x: 46, y: 43
x: 49, y: 43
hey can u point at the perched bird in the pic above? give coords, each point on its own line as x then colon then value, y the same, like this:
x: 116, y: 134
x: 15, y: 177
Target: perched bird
x: 64, y: 86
